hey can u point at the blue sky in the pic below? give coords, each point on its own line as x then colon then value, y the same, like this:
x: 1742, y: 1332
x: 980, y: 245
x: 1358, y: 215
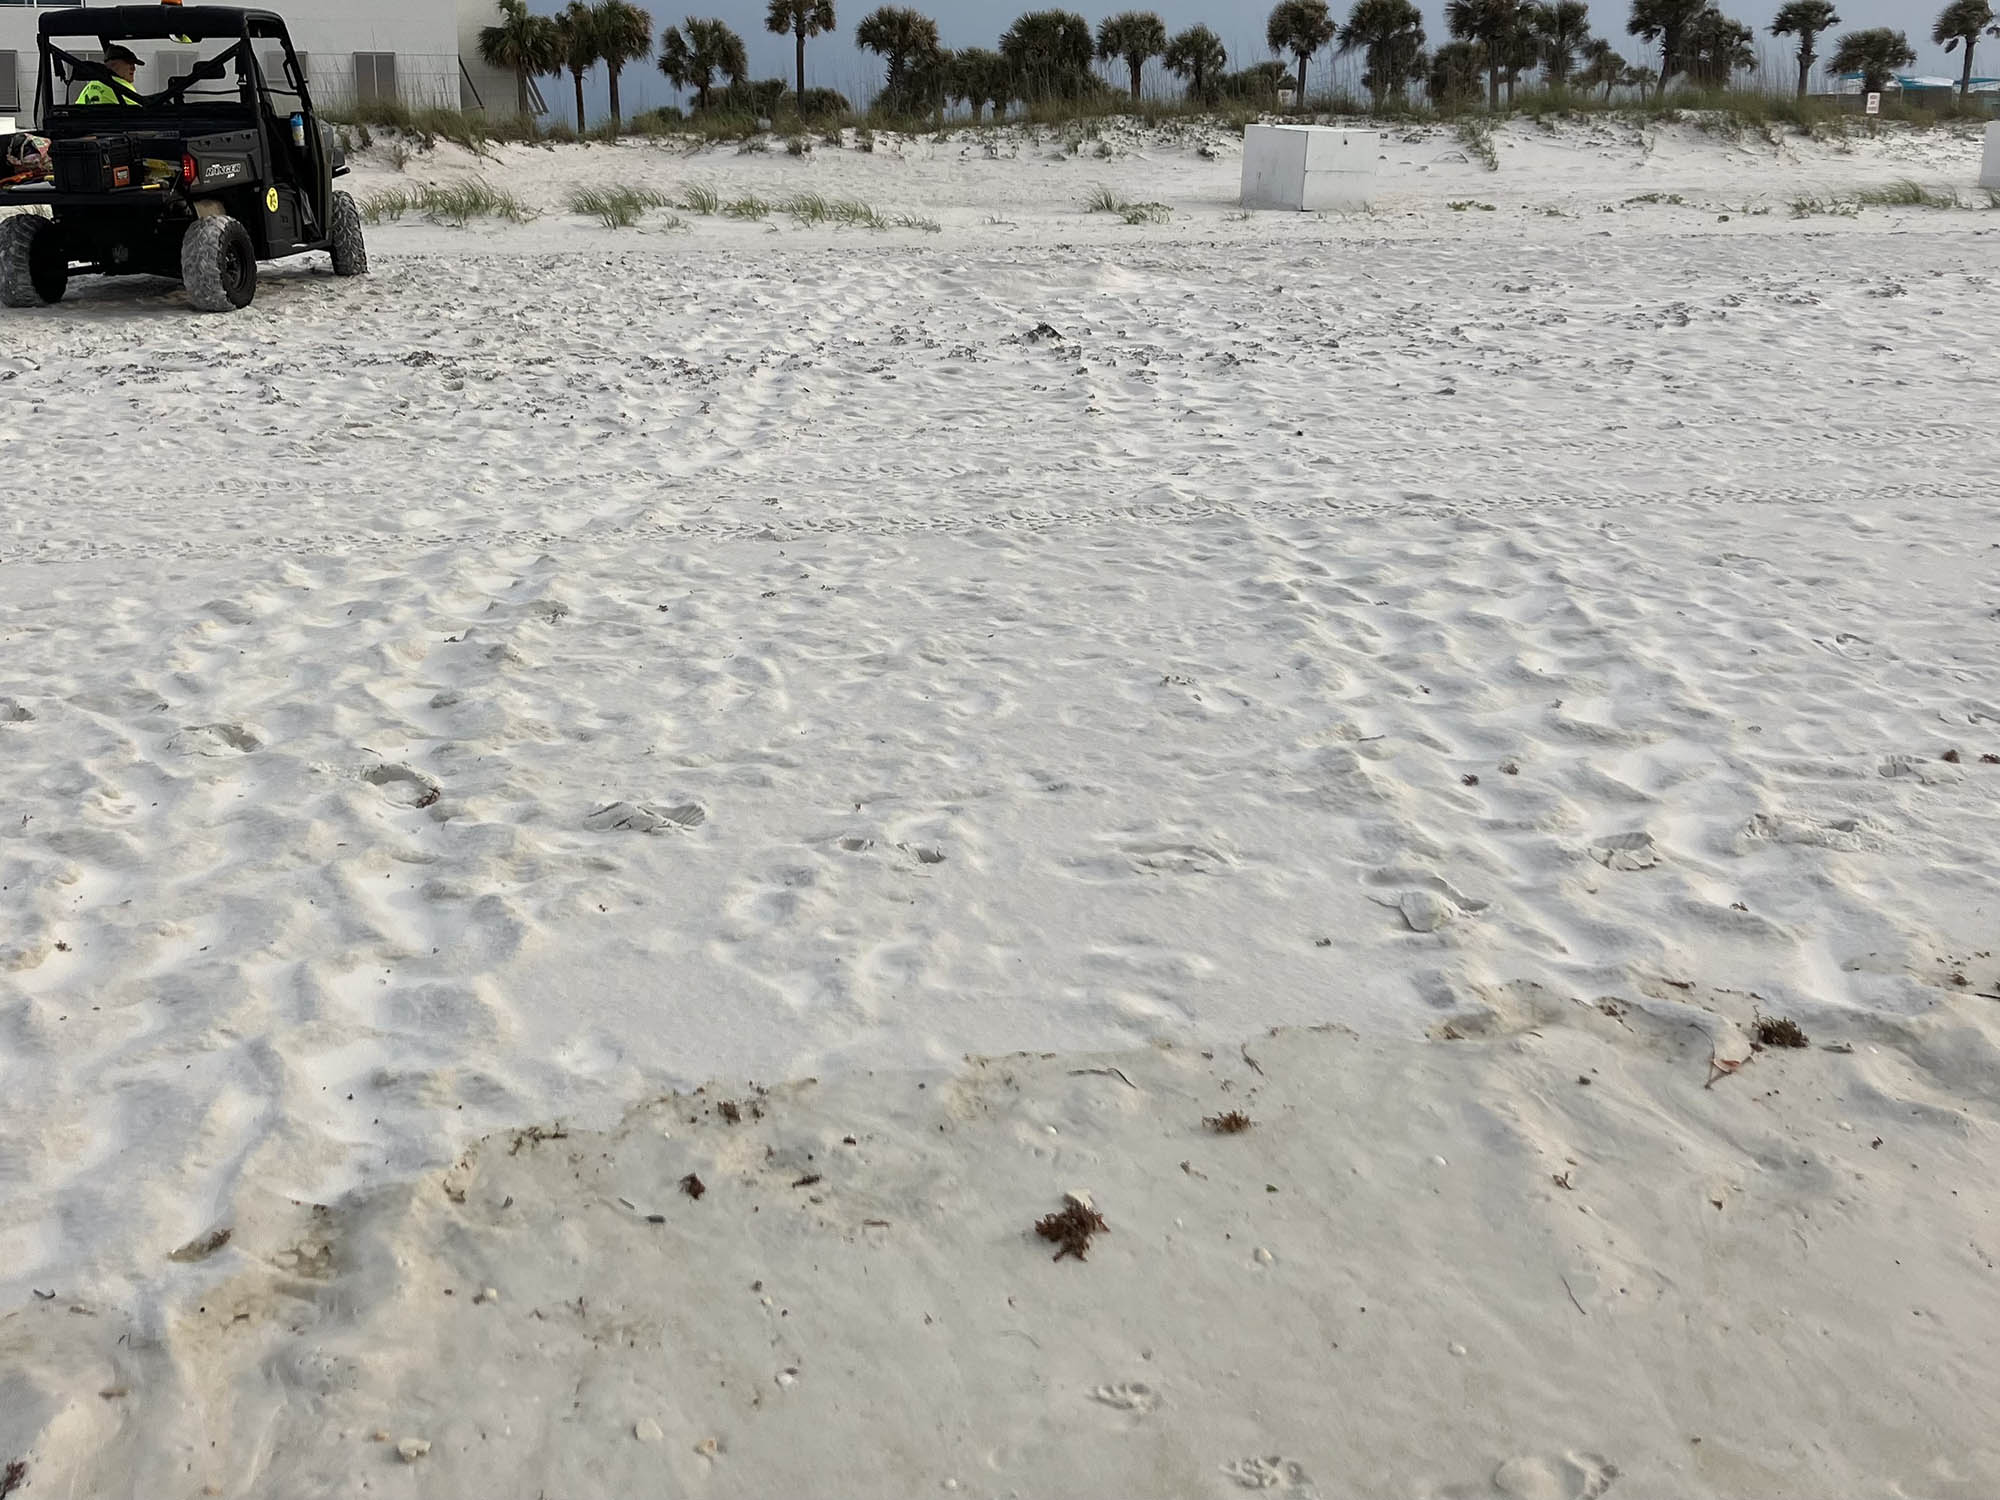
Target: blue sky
x: 833, y: 62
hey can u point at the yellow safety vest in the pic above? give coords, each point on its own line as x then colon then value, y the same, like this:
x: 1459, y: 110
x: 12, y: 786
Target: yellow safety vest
x: 97, y: 91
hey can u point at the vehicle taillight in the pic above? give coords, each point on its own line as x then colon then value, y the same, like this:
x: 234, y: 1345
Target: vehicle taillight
x: 187, y: 169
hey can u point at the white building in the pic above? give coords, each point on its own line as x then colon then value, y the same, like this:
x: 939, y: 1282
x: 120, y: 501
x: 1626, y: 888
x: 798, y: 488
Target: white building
x: 424, y: 52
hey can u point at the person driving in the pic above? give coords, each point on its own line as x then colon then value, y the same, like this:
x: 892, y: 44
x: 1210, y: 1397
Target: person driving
x: 123, y: 63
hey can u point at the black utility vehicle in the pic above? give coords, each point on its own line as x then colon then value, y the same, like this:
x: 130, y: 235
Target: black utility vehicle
x: 226, y: 165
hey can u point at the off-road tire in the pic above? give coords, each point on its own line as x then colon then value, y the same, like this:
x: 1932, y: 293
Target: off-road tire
x: 350, y: 251
x: 33, y: 268
x: 218, y: 264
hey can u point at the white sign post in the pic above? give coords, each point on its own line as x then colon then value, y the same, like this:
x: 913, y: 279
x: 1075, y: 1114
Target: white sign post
x: 1874, y: 104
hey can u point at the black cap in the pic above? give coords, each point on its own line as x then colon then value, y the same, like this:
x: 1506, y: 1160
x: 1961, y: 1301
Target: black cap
x: 122, y: 54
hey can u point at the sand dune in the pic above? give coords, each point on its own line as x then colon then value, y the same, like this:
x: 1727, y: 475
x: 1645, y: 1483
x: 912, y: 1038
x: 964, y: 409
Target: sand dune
x: 571, y: 666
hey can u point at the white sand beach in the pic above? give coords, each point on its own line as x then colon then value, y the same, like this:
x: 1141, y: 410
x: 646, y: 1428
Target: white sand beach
x: 981, y: 701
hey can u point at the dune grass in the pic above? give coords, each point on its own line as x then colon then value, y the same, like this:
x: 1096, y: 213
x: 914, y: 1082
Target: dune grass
x: 453, y: 203
x: 616, y: 207
x: 1476, y: 135
x: 752, y: 208
x: 1080, y: 120
x: 1103, y: 201
x: 700, y: 198
x: 1903, y: 193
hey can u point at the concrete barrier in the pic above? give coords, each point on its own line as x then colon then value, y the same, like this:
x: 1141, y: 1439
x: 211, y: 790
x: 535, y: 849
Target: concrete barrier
x: 1308, y: 167
x: 1989, y: 170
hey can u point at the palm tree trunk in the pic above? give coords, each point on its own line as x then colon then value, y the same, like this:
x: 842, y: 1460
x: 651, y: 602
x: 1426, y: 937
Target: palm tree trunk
x: 799, y: 33
x: 1135, y: 65
x: 1965, y: 79
x: 1805, y: 70
x: 521, y: 89
x: 577, y: 74
x: 1300, y: 102
x: 616, y: 119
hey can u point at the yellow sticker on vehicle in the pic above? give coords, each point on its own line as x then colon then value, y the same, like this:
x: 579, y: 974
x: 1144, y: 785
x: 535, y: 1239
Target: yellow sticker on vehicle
x: 271, y: 200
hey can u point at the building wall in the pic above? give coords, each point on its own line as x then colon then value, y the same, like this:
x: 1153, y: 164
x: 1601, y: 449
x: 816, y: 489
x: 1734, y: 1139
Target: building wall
x: 424, y: 35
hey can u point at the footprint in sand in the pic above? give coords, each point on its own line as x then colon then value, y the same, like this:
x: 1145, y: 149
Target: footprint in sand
x: 1625, y: 851
x: 1127, y: 1395
x: 1845, y: 835
x: 1928, y: 772
x: 403, y: 784
x: 214, y: 739
x: 1272, y: 1473
x: 646, y: 817
x: 1574, y: 1476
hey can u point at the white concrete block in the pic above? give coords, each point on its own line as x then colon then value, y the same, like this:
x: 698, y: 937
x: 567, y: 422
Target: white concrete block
x: 1307, y: 168
x: 1989, y: 170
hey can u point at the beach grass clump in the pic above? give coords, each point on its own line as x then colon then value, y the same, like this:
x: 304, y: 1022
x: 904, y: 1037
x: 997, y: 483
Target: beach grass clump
x: 811, y: 209
x: 700, y: 198
x: 752, y: 208
x: 1906, y: 193
x: 1103, y: 201
x: 808, y: 208
x: 455, y: 203
x: 1837, y: 208
x: 1477, y: 138
x: 616, y: 207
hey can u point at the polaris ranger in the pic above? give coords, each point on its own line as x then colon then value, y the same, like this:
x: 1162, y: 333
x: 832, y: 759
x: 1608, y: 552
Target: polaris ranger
x: 226, y: 165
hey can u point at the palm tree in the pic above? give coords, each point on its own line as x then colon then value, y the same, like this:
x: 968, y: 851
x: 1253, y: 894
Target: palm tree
x: 802, y: 18
x: 692, y: 53
x: 909, y: 43
x: 1300, y: 27
x: 1562, y: 29
x: 1198, y: 55
x: 1717, y: 49
x: 1454, y: 74
x: 1391, y: 33
x: 1134, y: 36
x: 523, y: 44
x: 1805, y: 19
x: 1520, y: 48
x: 1875, y: 54
x: 624, y: 34
x: 1667, y: 22
x: 1049, y: 52
x: 1492, y: 24
x: 576, y: 47
x: 1640, y: 78
x: 1602, y: 66
x: 977, y: 78
x: 1962, y: 21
